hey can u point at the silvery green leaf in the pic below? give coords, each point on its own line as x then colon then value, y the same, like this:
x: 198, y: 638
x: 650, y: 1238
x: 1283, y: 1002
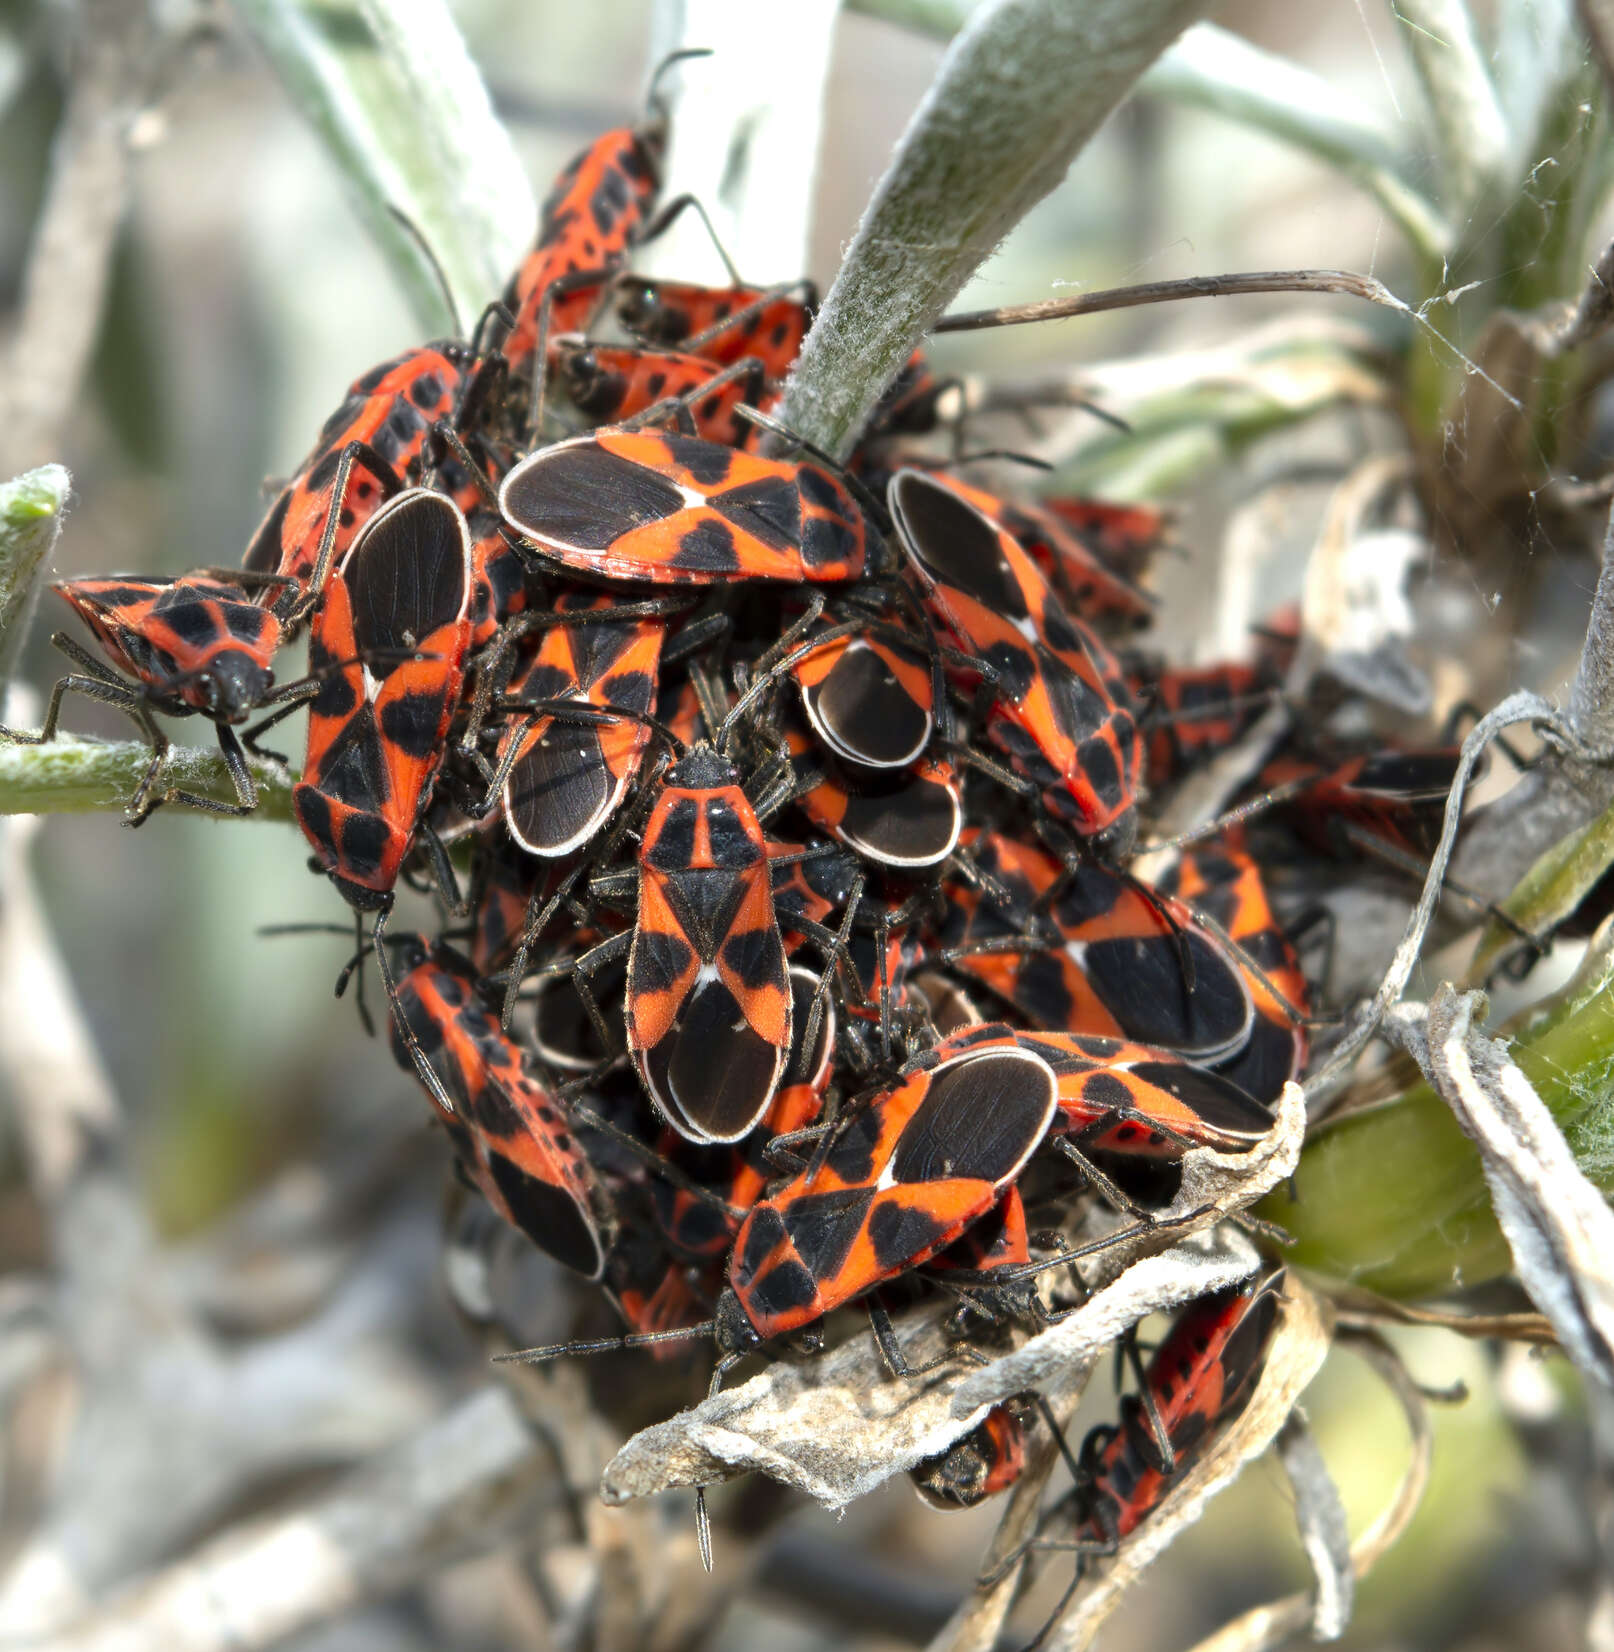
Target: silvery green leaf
x: 1021, y: 89
x: 1559, y: 1226
x: 395, y: 98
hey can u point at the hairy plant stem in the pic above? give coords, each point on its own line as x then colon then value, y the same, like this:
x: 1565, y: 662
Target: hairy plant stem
x: 1023, y: 86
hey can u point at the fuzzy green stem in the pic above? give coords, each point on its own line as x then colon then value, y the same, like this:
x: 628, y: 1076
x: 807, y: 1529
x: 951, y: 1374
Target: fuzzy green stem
x: 1021, y: 89
x: 99, y: 777
x: 31, y: 508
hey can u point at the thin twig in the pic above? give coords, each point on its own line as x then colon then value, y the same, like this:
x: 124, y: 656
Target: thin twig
x: 71, y: 776
x: 1235, y: 284
x: 31, y: 508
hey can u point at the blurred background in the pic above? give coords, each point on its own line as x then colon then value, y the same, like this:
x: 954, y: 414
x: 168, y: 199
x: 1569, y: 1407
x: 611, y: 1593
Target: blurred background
x: 245, y: 297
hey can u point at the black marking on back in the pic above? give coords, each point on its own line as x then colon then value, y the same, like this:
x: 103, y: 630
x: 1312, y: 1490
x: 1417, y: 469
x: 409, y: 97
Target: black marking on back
x: 408, y: 575
x: 981, y: 1118
x: 953, y: 543
x: 584, y: 496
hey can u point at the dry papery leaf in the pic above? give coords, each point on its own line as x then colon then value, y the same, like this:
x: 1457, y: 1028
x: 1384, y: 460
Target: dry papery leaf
x: 1557, y: 1224
x: 1272, y: 1625
x: 838, y: 1425
x: 1355, y: 612
x: 1324, y: 1535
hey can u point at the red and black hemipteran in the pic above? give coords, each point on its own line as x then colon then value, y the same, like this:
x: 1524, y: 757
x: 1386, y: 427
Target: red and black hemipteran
x: 1100, y: 956
x: 1200, y: 1378
x: 195, y: 644
x: 595, y: 210
x: 708, y: 999
x: 388, y: 645
x: 566, y: 778
x: 904, y: 1178
x: 738, y: 1174
x: 1131, y: 1100
x: 611, y: 383
x: 1096, y: 594
x: 769, y: 326
x: 1064, y: 713
x: 381, y: 429
x: 904, y: 818
x: 637, y: 505
x: 512, y: 1138
x: 987, y: 1460
x: 1222, y: 879
x: 869, y: 699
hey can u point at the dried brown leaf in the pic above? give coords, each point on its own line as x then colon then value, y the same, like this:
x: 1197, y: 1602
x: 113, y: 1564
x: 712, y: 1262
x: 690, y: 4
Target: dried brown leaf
x: 1271, y: 1625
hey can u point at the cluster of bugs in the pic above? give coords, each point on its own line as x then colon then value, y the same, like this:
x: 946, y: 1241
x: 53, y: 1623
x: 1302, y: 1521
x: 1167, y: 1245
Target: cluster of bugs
x: 780, y: 815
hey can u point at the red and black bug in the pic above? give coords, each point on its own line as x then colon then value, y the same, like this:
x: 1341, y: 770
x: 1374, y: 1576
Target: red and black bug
x: 912, y: 406
x: 1095, y: 593
x: 1196, y: 713
x: 565, y: 1034
x: 1192, y: 714
x: 200, y: 644
x: 388, y: 647
x: 1222, y: 880
x: 700, y: 1230
x: 987, y: 1460
x: 869, y: 698
x: 722, y: 325
x: 505, y: 883
x: 1124, y: 538
x: 362, y: 456
x: 1087, y: 949
x: 1063, y: 712
x: 907, y: 819
x: 498, y: 573
x: 594, y: 212
x: 1200, y: 1378
x: 904, y: 1177
x: 564, y: 778
x: 1396, y: 797
x: 1133, y: 1101
x: 637, y: 505
x: 512, y: 1139
x: 808, y: 885
x: 654, y: 1295
x: 708, y: 999
x: 613, y: 383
